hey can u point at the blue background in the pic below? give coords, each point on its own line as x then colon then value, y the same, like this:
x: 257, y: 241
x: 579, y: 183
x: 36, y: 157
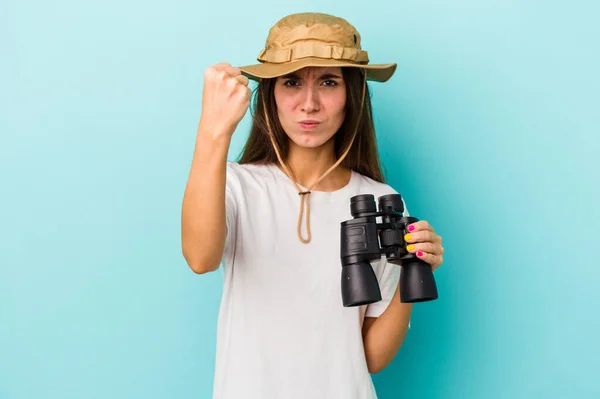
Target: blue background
x: 489, y: 129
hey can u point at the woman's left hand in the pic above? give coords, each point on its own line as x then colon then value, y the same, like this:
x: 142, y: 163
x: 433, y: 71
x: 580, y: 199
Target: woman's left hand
x: 425, y: 243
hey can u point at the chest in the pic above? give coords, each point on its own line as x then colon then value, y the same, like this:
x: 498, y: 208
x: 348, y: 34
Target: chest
x: 270, y: 249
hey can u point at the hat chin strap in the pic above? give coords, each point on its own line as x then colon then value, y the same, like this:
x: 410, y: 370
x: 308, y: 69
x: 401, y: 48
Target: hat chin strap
x: 304, y: 194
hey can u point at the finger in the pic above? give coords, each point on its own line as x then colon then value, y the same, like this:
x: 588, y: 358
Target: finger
x: 233, y: 71
x: 431, y: 259
x: 419, y: 226
x: 424, y: 247
x: 242, y: 79
x: 421, y: 236
x: 222, y: 66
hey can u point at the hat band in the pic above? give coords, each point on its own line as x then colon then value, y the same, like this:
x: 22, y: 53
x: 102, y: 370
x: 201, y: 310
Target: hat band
x: 303, y: 50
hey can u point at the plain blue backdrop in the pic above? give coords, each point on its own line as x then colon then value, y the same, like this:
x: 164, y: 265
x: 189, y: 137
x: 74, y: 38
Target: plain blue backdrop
x: 489, y: 129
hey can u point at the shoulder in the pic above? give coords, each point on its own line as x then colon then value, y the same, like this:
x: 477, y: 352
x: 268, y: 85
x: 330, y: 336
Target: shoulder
x: 367, y: 185
x: 257, y: 170
x: 248, y: 175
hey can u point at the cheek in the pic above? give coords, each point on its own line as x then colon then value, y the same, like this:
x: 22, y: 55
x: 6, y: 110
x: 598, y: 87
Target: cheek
x: 337, y: 108
x: 285, y: 108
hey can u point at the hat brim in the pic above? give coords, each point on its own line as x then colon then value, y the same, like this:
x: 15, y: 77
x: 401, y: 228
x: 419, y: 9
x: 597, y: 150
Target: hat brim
x: 375, y: 72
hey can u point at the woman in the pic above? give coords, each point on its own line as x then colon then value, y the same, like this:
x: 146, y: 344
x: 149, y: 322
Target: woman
x: 282, y: 330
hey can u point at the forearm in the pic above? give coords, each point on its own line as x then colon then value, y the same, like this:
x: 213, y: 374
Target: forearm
x: 203, y: 226
x: 384, y: 337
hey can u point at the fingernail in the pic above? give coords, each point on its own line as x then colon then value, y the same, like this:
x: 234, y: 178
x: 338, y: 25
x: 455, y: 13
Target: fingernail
x: 411, y: 228
x: 410, y: 247
x: 407, y: 237
x: 419, y: 253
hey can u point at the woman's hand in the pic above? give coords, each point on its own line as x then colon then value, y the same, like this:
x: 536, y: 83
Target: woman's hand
x: 225, y: 99
x: 425, y: 243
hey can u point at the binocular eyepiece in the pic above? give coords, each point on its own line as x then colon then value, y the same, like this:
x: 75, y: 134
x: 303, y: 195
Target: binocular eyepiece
x: 363, y: 240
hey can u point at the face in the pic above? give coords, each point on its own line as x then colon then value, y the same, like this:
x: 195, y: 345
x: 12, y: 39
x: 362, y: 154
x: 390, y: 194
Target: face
x: 311, y: 105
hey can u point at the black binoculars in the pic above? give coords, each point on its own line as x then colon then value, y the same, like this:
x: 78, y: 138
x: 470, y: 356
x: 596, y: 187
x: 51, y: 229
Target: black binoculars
x: 363, y: 240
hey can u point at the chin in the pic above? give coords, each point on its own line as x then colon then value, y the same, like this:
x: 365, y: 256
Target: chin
x: 307, y: 141
x: 310, y: 139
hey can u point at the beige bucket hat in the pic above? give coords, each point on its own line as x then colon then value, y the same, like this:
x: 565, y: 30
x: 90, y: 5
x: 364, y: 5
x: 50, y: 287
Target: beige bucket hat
x: 313, y: 39
x: 318, y: 40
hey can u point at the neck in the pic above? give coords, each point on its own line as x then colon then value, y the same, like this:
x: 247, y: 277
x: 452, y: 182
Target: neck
x: 309, y: 164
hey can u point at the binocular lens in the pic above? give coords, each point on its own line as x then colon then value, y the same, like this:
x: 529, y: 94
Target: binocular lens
x: 362, y: 203
x: 391, y: 202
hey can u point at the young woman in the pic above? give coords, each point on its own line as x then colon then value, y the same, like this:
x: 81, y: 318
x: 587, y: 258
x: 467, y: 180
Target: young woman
x: 272, y: 219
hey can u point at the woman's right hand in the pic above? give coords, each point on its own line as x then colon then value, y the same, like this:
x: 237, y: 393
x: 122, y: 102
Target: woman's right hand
x: 225, y: 100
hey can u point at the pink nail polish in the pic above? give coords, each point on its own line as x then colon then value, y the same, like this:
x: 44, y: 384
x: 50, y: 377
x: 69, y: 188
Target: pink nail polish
x: 411, y: 228
x: 419, y: 253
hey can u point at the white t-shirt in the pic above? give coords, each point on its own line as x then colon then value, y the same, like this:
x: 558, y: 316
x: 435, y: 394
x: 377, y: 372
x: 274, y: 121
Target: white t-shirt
x: 283, y: 332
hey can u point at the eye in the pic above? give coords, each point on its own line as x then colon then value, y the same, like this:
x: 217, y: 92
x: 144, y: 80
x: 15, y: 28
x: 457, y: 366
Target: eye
x: 290, y: 83
x: 330, y: 82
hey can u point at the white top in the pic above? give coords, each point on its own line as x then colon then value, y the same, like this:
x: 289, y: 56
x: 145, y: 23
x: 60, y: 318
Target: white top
x: 283, y: 332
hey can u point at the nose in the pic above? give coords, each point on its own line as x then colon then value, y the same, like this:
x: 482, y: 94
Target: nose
x: 310, y: 102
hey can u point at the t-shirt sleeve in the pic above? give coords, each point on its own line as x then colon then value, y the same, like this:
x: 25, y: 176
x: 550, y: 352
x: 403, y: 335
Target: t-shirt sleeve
x: 388, y: 276
x: 232, y: 188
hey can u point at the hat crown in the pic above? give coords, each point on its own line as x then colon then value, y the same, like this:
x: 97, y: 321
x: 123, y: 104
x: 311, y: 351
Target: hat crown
x: 312, y: 27
x: 316, y: 35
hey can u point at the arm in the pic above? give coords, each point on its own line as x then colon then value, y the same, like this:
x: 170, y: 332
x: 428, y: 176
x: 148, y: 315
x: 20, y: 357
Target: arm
x: 203, y: 226
x: 383, y: 336
x: 225, y: 99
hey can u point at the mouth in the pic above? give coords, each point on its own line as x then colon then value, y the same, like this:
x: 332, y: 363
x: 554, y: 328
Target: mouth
x: 309, y: 124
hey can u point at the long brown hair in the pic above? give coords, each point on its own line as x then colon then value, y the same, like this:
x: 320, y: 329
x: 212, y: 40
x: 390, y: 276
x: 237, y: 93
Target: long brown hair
x: 363, y: 156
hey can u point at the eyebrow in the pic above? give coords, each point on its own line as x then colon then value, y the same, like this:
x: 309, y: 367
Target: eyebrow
x: 324, y: 76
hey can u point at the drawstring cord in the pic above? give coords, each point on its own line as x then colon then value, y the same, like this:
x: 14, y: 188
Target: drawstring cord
x: 304, y: 195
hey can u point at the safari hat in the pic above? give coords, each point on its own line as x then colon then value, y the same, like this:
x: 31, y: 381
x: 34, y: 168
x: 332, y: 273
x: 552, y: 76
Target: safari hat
x: 313, y: 39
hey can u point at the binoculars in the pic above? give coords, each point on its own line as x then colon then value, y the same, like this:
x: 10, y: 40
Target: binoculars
x: 363, y: 240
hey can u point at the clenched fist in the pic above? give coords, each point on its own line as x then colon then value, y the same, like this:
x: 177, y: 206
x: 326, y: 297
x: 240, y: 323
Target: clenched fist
x: 225, y: 99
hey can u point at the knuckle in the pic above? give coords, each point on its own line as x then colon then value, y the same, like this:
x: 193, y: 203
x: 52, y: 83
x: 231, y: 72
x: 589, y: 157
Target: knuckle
x: 240, y: 95
x: 243, y: 97
x: 234, y: 71
x: 222, y: 75
x: 208, y: 72
x: 242, y: 80
x: 221, y: 66
x: 230, y: 82
x: 239, y: 88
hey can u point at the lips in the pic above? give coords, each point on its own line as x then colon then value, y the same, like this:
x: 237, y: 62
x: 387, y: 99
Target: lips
x: 309, y: 124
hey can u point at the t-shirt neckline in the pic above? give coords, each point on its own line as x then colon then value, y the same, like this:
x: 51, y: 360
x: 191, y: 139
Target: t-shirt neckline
x: 316, y: 193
